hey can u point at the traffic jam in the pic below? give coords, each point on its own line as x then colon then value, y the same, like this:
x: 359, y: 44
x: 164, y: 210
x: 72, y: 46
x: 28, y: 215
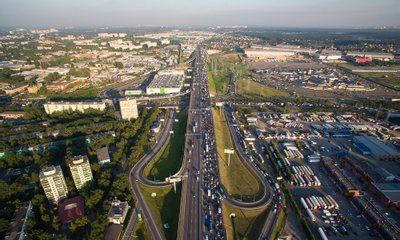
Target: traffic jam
x: 211, y: 199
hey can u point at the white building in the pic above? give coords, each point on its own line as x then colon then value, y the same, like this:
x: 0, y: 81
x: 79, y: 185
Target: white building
x: 80, y: 171
x: 165, y: 41
x: 117, y: 212
x: 53, y: 183
x: 52, y: 107
x: 103, y: 157
x: 149, y: 44
x: 128, y: 109
x: 166, y: 82
x: 330, y: 55
x: 372, y: 55
x: 268, y: 53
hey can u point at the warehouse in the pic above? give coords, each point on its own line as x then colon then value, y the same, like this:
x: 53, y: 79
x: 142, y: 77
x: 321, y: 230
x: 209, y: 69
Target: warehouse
x: 372, y: 55
x: 378, y: 149
x: 390, y: 192
x: 268, y: 53
x: 166, y: 82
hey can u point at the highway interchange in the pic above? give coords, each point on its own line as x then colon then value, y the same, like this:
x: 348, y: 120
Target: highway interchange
x: 202, y: 195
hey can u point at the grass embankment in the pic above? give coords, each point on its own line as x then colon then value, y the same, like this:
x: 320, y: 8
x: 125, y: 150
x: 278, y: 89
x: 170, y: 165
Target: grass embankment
x: 141, y: 232
x: 170, y: 160
x: 247, y: 224
x: 218, y: 81
x: 219, y: 67
x: 391, y: 80
x: 237, y: 179
x: 164, y: 207
x: 250, y: 88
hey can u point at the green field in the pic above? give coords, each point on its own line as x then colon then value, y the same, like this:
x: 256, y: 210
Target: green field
x: 164, y: 207
x: 247, y: 224
x: 250, y: 88
x: 237, y: 179
x: 141, y: 232
x: 391, y: 80
x: 170, y: 161
x: 218, y: 70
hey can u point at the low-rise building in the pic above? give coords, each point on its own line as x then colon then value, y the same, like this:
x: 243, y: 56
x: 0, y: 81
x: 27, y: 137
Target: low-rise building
x: 389, y: 192
x: 12, y: 115
x: 166, y: 82
x: 70, y: 209
x: 128, y: 109
x: 379, y: 150
x: 372, y: 55
x: 52, y: 107
x: 13, y: 90
x: 103, y: 157
x: 117, y: 212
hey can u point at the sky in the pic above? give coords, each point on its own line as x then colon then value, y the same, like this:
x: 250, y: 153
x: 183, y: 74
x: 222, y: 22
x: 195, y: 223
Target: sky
x: 266, y: 13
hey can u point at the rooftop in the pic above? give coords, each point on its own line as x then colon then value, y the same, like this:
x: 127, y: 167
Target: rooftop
x: 391, y: 190
x: 377, y: 147
x: 102, y: 154
x: 167, y: 81
x: 79, y: 160
x: 70, y: 209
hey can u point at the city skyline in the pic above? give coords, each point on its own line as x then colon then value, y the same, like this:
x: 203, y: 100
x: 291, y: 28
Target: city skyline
x: 122, y: 13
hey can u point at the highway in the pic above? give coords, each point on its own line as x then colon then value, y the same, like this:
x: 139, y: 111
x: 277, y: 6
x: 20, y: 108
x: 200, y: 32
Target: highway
x: 136, y: 176
x: 202, y: 194
x: 200, y: 214
x: 190, y: 219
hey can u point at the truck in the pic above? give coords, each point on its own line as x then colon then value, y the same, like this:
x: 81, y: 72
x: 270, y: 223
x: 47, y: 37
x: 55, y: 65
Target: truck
x: 322, y: 234
x: 304, y: 203
x: 311, y: 215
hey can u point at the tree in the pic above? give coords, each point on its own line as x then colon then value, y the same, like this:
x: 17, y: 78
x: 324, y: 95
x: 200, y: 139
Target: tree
x: 51, y: 77
x: 119, y: 65
x: 78, y: 224
x: 3, y: 224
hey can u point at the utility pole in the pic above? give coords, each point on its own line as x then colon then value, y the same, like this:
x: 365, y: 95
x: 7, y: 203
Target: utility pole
x: 229, y: 152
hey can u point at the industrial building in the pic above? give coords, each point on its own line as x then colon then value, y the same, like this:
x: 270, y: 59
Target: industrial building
x: 103, y: 157
x: 378, y: 149
x: 128, y: 109
x: 329, y: 55
x: 371, y: 55
x: 52, y: 107
x: 133, y: 92
x: 53, y: 183
x: 384, y: 174
x: 117, y: 212
x: 12, y: 115
x: 390, y: 192
x: 251, y: 120
x: 80, y: 171
x: 268, y: 53
x: 166, y: 82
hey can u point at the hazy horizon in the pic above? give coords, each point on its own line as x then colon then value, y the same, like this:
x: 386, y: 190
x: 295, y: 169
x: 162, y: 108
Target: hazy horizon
x: 124, y: 13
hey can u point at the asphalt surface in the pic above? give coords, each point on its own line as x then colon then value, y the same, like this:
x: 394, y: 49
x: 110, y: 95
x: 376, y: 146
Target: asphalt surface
x: 136, y: 176
x: 190, y: 224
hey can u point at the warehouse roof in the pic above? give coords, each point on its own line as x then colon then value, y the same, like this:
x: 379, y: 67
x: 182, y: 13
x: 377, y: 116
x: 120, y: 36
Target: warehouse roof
x: 167, y: 81
x: 377, y: 147
x: 390, y: 190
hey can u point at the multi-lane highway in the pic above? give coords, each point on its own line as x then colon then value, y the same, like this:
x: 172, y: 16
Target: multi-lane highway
x: 190, y: 219
x: 202, y: 193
